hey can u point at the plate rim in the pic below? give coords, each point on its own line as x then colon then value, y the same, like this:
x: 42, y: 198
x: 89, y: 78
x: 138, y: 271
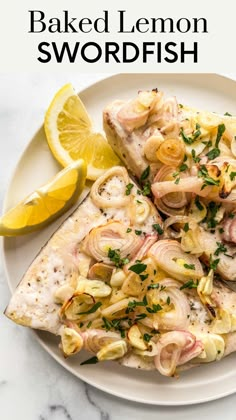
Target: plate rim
x: 34, y: 333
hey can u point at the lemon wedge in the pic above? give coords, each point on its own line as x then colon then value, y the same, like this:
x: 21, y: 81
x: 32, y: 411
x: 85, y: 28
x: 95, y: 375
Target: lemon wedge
x: 46, y: 203
x: 70, y: 136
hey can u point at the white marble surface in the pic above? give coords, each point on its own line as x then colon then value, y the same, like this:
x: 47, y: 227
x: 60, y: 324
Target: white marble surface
x: 32, y: 385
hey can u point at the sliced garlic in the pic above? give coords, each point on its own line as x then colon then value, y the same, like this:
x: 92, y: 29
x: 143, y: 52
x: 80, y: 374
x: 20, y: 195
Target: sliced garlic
x: 208, y: 120
x: 205, y: 287
x: 63, y: 293
x: 95, y: 288
x: 71, y: 341
x: 84, y: 264
x: 117, y: 278
x: 135, y: 338
x: 214, y: 347
x: 116, y: 296
x: 233, y: 323
x: 117, y: 307
x: 112, y: 351
x: 78, y: 303
x: 151, y: 146
x: 195, y: 212
x: 141, y: 210
x: 146, y: 98
x: 223, y: 324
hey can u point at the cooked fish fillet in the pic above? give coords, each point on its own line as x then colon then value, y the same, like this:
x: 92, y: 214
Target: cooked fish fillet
x: 128, y: 146
x: 33, y: 302
x: 136, y: 133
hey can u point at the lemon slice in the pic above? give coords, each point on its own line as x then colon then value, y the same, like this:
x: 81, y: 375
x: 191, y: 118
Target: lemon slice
x: 70, y: 136
x: 46, y: 203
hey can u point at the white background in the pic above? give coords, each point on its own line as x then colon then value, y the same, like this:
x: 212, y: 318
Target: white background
x: 216, y: 49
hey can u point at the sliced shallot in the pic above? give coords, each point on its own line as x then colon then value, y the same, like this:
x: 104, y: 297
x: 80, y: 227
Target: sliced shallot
x: 173, y: 203
x: 176, y: 348
x: 134, y: 114
x: 177, y: 314
x: 171, y: 258
x: 109, y: 189
x: 191, y: 184
x: 94, y: 340
x: 112, y: 236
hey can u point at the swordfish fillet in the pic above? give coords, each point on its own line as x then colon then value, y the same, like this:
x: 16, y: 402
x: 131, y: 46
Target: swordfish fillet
x: 192, y: 155
x: 113, y: 281
x: 107, y: 283
x: 34, y: 302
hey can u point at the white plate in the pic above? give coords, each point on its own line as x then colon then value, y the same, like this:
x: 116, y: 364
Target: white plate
x: 36, y: 165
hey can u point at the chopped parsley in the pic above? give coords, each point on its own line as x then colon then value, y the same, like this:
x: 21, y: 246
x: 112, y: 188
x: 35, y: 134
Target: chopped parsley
x: 232, y: 175
x: 129, y: 230
x: 207, y: 143
x: 146, y: 189
x: 134, y: 303
x: 128, y: 188
x: 189, y: 285
x: 145, y: 173
x: 220, y: 248
x: 190, y: 140
x: 221, y: 230
x: 214, y: 263
x: 211, y: 216
x: 214, y: 153
x: 138, y: 232
x: 147, y: 337
x: 154, y: 309
x: 197, y: 133
x: 186, y: 227
x: 140, y: 316
x: 138, y: 268
x: 153, y: 286
x: 196, y: 159
x: 158, y: 228
x: 107, y: 324
x: 198, y: 204
x: 90, y: 361
x: 208, y: 180
x: 143, y: 276
x: 227, y: 114
x: 91, y: 310
x: 177, y: 180
x: 168, y: 300
x: 220, y: 132
x: 115, y: 257
x: 189, y: 266
x: 115, y: 323
x: 186, y: 139
x: 183, y: 167
x: 122, y: 333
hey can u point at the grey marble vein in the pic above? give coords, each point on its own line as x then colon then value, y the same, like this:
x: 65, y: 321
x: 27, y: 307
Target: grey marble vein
x: 104, y: 415
x: 56, y: 411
